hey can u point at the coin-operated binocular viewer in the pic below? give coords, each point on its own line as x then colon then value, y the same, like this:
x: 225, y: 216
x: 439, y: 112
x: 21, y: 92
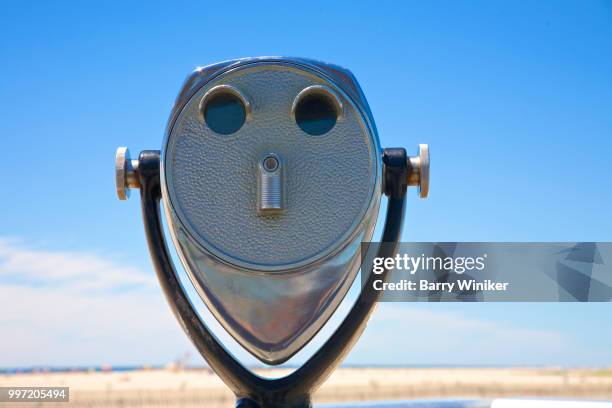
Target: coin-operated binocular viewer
x: 271, y: 175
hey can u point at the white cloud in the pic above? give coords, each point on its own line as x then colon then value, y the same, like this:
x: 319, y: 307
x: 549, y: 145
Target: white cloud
x: 74, y: 271
x: 72, y: 308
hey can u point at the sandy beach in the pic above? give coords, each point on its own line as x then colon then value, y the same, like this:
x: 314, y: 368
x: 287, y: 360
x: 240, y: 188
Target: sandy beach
x: 200, y: 387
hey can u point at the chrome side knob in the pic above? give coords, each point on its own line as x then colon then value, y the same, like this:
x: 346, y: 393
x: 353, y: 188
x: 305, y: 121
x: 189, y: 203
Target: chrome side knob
x: 126, y: 173
x: 418, y: 170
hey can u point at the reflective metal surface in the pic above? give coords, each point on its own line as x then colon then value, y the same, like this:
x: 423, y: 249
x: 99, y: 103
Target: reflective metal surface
x: 419, y: 171
x: 126, y: 173
x: 275, y: 286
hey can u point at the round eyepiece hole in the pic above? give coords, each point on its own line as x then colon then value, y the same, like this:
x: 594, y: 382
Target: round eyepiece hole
x: 224, y: 113
x: 316, y: 113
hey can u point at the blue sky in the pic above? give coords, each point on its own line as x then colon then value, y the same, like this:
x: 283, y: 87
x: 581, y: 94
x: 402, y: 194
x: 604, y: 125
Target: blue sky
x: 514, y: 98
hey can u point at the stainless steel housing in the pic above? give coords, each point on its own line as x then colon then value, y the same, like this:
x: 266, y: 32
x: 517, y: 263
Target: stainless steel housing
x: 275, y: 288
